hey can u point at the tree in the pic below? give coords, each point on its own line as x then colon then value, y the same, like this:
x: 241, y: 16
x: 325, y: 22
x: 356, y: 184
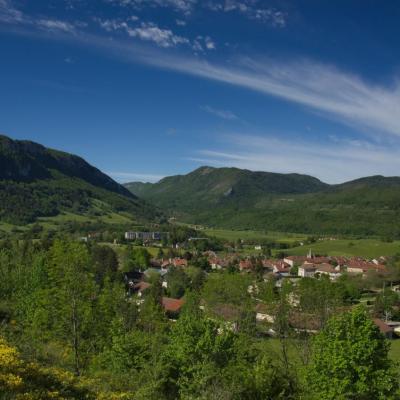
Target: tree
x: 385, y: 303
x: 178, y: 282
x: 225, y: 288
x: 350, y: 361
x: 73, y: 294
x: 136, y: 258
x: 196, y: 354
x: 104, y: 263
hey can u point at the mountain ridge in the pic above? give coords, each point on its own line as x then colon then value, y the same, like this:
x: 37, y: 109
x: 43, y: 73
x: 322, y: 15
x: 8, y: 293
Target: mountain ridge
x: 243, y: 199
x: 36, y: 181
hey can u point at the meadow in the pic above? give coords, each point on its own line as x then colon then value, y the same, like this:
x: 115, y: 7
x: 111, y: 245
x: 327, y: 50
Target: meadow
x: 369, y: 248
x: 234, y: 235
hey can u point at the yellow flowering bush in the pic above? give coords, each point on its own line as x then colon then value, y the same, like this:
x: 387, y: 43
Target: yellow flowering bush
x: 29, y: 381
x: 20, y: 380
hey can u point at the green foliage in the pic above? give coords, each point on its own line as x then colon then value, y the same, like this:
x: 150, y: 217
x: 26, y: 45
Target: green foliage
x: 178, y: 282
x: 63, y: 305
x: 350, y: 361
x: 225, y: 288
x: 104, y: 263
x: 136, y: 258
x: 241, y: 199
x: 386, y: 304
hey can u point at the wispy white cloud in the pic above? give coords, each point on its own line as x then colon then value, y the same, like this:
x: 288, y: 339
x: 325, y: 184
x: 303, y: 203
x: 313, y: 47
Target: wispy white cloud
x: 321, y: 88
x: 55, y: 25
x: 162, y: 37
x: 134, y: 176
x: 334, y: 162
x: 251, y: 9
x: 180, y: 22
x: 224, y: 114
x: 210, y: 44
x: 8, y: 13
x: 11, y: 15
x: 183, y: 6
x: 151, y: 32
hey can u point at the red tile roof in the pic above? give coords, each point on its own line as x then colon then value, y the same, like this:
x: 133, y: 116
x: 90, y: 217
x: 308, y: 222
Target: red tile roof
x: 173, y: 305
x: 245, y: 264
x: 179, y: 262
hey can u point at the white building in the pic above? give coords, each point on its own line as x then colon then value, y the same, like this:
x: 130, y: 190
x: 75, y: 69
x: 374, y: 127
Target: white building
x: 307, y: 270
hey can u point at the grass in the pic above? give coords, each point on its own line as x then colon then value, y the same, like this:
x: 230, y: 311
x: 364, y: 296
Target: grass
x: 233, y: 235
x: 51, y: 223
x: 369, y: 248
x: 394, y: 351
x: 8, y: 228
x: 294, y: 355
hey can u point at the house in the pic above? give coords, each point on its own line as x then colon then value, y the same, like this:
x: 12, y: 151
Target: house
x: 141, y: 287
x: 145, y: 236
x: 264, y: 314
x: 281, y: 267
x: 330, y: 270
x: 320, y: 260
x: 172, y: 306
x: 229, y: 314
x: 179, y: 262
x: 133, y: 277
x: 307, y: 270
x: 363, y: 267
x: 295, y: 260
x: 245, y: 265
x: 384, y: 328
x: 302, y: 322
x: 130, y: 235
x: 268, y: 265
x: 218, y: 263
x: 340, y: 261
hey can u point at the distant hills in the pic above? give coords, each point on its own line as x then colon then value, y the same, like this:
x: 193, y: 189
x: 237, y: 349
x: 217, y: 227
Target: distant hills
x: 36, y: 181
x: 242, y: 199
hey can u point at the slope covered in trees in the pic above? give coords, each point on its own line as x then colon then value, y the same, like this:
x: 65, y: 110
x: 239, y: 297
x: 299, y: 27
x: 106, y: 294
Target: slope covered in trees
x: 241, y: 199
x: 36, y: 181
x: 69, y: 330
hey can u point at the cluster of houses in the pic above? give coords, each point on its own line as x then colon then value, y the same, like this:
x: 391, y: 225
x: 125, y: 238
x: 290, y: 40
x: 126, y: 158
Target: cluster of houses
x: 291, y: 266
x: 304, y: 266
x: 145, y: 236
x: 135, y: 282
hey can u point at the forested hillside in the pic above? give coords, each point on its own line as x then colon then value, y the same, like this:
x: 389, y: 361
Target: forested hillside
x: 36, y: 181
x: 241, y: 199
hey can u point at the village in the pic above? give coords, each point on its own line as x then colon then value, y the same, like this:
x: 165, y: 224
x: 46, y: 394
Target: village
x: 374, y: 278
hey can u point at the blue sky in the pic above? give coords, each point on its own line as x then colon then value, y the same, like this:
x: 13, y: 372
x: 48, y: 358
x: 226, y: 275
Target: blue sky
x: 148, y: 88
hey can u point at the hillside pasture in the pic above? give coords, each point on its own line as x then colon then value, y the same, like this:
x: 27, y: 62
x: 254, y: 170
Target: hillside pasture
x: 369, y: 248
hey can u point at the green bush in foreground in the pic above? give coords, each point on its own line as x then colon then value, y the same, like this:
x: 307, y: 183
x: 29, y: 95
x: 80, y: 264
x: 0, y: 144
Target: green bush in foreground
x: 350, y: 361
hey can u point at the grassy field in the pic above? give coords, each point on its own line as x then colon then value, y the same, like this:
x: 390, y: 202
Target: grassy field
x: 49, y: 223
x: 293, y: 350
x: 369, y: 248
x: 232, y: 235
